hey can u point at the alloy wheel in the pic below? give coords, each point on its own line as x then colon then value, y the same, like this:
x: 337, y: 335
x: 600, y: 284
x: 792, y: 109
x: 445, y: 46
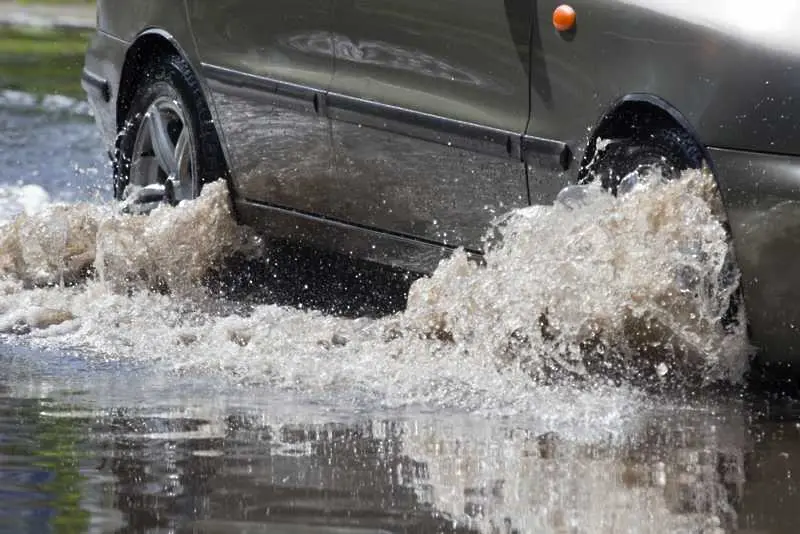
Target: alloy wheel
x: 164, y: 158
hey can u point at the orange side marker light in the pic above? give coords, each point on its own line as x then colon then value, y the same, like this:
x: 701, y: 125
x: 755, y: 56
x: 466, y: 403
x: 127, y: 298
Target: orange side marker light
x: 564, y: 18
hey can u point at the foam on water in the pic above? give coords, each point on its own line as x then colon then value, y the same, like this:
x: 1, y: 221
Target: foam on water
x: 20, y: 100
x: 27, y: 199
x: 633, y: 282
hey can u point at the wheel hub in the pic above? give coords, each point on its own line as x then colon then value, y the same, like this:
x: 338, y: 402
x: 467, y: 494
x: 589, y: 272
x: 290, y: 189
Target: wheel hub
x: 164, y: 158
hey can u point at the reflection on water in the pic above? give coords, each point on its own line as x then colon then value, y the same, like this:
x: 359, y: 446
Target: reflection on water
x: 83, y: 450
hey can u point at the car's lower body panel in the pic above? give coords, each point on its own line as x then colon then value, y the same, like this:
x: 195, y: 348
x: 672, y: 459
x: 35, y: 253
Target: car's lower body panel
x: 762, y: 196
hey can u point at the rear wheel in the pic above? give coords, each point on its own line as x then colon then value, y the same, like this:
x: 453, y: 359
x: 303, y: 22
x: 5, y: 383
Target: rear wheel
x: 666, y: 152
x: 168, y: 147
x: 620, y: 162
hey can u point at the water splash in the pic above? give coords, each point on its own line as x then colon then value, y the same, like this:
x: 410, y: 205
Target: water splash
x: 594, y: 286
x: 170, y: 250
x: 27, y: 199
x: 639, y: 284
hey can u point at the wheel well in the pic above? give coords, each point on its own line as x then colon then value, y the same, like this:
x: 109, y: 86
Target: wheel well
x: 633, y: 117
x: 142, y: 52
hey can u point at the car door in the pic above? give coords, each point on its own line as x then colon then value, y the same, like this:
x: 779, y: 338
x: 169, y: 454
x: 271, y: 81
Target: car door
x: 267, y: 63
x: 429, y: 102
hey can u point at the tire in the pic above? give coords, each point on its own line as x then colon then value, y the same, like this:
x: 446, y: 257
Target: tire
x: 168, y: 95
x: 671, y: 149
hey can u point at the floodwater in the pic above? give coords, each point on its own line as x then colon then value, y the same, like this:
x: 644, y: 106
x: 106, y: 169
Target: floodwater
x: 175, y: 373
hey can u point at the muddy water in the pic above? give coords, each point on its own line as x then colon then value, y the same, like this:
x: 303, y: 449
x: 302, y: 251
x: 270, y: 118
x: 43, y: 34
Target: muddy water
x: 150, y: 383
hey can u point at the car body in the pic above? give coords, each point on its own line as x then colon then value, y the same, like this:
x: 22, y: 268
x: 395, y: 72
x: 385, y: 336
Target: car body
x: 397, y: 130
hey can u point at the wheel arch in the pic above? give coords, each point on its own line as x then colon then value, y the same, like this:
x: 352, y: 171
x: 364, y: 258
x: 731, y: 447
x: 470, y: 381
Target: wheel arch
x: 632, y: 114
x: 149, y: 45
x: 145, y: 47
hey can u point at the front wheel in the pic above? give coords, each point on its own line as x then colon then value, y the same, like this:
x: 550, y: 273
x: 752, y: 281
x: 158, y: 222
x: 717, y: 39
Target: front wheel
x: 168, y: 147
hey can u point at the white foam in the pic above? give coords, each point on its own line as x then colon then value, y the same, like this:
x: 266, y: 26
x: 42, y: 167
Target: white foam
x: 22, y: 199
x: 20, y: 100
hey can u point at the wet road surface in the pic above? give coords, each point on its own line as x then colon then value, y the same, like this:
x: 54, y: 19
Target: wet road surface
x: 282, y: 404
x: 96, y: 447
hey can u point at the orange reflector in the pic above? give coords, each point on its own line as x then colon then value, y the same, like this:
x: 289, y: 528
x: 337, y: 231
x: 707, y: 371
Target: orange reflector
x: 564, y: 18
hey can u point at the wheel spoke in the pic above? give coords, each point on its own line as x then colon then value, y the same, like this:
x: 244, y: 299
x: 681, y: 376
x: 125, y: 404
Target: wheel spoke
x: 182, y: 180
x: 162, y: 145
x: 158, y: 160
x: 143, y: 166
x: 182, y: 149
x: 142, y: 200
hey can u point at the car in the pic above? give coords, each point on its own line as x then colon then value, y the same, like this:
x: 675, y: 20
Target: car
x: 396, y: 130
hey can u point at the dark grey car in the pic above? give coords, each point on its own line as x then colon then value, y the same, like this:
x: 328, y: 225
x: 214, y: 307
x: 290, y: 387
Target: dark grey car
x: 397, y: 129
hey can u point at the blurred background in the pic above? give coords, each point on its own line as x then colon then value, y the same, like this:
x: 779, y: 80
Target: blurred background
x: 42, y: 45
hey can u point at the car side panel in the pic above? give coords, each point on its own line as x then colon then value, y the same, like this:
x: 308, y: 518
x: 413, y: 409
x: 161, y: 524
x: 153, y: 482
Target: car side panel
x: 428, y: 102
x: 266, y: 63
x: 452, y: 58
x: 125, y: 20
x: 733, y: 80
x: 762, y: 193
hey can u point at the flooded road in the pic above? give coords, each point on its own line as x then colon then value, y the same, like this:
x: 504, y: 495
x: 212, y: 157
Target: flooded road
x: 90, y: 446
x: 150, y: 383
